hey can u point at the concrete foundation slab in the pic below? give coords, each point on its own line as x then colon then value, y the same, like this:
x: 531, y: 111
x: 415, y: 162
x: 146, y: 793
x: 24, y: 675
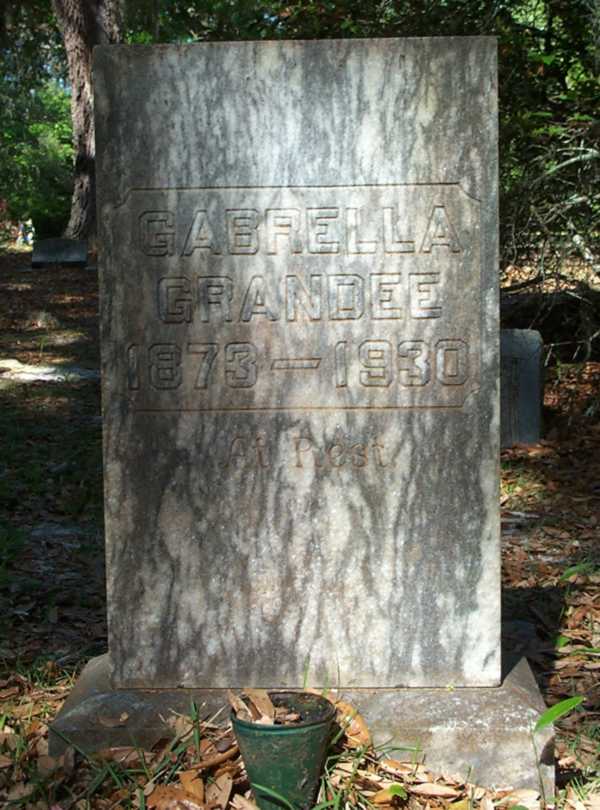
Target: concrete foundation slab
x: 483, y: 735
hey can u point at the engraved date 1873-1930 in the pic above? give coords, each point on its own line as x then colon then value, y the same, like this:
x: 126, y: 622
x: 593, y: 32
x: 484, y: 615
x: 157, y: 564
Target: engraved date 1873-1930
x: 370, y: 364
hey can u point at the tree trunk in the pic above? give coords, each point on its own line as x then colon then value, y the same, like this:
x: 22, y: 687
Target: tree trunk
x: 84, y: 24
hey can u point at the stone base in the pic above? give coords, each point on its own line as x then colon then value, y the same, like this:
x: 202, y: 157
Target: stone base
x: 483, y: 735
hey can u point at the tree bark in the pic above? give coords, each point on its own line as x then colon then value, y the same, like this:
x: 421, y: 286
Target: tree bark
x: 84, y: 24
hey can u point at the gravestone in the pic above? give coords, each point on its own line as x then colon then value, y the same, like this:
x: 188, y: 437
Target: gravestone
x: 59, y: 251
x: 300, y: 383
x: 300, y: 363
x: 521, y: 386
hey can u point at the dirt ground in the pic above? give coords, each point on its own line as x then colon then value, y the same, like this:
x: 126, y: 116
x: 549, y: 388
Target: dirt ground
x: 52, y: 602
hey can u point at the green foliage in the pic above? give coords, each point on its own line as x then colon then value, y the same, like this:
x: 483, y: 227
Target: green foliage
x: 36, y: 154
x: 583, y: 568
x: 549, y: 57
x: 550, y: 135
x: 273, y: 794
x: 35, y: 122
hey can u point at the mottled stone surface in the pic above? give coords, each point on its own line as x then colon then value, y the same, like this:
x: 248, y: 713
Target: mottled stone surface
x: 300, y: 363
x: 522, y: 386
x: 482, y: 735
x: 59, y: 251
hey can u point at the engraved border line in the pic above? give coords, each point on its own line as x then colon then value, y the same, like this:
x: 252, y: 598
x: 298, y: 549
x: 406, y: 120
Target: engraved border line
x: 133, y: 190
x: 308, y: 409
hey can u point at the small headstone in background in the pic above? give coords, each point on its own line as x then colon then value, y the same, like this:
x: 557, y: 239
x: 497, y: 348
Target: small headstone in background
x: 59, y: 251
x: 522, y: 386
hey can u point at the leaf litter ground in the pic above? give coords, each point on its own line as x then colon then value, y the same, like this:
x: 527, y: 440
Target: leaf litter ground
x: 52, y: 602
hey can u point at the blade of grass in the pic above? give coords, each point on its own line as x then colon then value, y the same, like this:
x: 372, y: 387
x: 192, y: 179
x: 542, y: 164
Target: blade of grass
x: 274, y: 795
x: 196, y: 721
x: 581, y: 568
x: 558, y: 710
x: 140, y: 752
x: 97, y: 781
x: 79, y: 750
x: 177, y: 764
x: 114, y: 775
x: 306, y: 670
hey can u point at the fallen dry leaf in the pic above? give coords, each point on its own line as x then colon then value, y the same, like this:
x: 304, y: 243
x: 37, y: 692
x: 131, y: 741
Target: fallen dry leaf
x: 149, y: 788
x: 167, y: 797
x: 36, y: 727
x: 356, y: 729
x: 377, y: 779
x: 181, y: 725
x: 26, y: 710
x: 229, y: 767
x: 433, y: 789
x: 47, y: 765
x: 560, y: 534
x: 451, y: 779
x: 5, y: 762
x: 19, y: 791
x: 574, y: 803
x: 285, y: 717
x: 416, y: 771
x: 525, y: 797
x: 239, y: 707
x: 345, y: 767
x: 242, y: 803
x: 10, y: 741
x: 218, y: 792
x: 192, y: 783
x: 260, y: 700
x: 121, y: 793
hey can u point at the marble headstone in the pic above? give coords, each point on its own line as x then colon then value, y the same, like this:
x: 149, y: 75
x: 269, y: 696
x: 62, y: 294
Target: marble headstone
x: 300, y: 362
x: 521, y: 386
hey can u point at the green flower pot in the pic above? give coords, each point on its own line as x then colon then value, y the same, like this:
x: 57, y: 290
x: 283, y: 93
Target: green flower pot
x: 287, y: 760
